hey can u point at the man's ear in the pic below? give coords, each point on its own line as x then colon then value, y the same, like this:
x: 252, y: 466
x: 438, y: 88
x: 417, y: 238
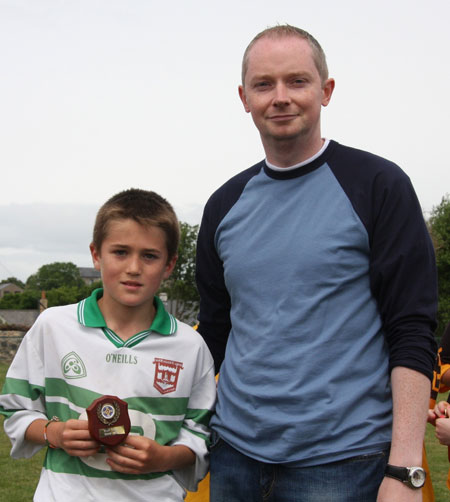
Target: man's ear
x: 327, y: 90
x: 170, y: 266
x: 243, y: 98
x: 95, y: 256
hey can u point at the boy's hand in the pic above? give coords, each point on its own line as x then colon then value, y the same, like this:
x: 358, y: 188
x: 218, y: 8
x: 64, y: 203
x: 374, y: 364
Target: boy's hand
x: 441, y: 410
x: 443, y: 430
x: 73, y: 437
x: 141, y: 455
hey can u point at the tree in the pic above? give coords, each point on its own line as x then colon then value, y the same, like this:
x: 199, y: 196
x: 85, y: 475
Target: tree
x: 27, y: 300
x: 439, y: 224
x: 13, y: 280
x: 180, y: 287
x: 55, y: 275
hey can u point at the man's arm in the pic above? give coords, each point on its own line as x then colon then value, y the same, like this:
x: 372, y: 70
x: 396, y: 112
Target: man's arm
x: 410, y: 395
x: 215, y: 304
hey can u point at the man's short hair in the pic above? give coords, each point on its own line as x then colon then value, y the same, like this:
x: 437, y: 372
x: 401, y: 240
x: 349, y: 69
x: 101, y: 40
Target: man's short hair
x: 286, y: 30
x: 146, y: 208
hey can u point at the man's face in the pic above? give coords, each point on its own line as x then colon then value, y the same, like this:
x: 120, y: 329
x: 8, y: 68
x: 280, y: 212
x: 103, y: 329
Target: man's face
x: 283, y: 91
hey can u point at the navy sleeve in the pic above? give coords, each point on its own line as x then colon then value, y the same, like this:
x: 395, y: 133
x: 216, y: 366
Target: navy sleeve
x: 215, y: 303
x: 403, y: 276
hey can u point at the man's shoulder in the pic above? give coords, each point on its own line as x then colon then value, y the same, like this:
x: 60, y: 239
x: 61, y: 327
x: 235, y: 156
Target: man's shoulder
x: 362, y: 162
x: 238, y: 181
x: 224, y: 198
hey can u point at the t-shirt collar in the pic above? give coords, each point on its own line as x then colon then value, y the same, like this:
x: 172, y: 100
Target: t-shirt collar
x: 89, y: 315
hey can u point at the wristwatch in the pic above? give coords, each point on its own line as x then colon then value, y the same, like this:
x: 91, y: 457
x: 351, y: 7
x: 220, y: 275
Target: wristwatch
x: 414, y: 477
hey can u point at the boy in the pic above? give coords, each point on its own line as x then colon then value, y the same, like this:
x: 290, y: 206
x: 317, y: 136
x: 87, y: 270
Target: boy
x: 120, y: 341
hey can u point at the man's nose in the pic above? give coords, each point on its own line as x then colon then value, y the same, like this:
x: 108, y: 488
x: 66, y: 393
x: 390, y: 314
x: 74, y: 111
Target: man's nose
x: 281, y: 95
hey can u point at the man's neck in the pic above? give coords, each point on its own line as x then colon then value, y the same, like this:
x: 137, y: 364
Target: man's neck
x: 285, y: 153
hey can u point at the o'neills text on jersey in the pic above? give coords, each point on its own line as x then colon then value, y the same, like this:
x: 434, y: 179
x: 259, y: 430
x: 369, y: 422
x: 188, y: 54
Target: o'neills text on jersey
x: 121, y: 359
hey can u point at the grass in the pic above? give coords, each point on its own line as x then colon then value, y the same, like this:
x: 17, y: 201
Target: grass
x: 19, y: 477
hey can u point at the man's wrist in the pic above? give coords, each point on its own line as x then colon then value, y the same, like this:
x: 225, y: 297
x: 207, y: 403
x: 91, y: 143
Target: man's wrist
x: 412, y: 476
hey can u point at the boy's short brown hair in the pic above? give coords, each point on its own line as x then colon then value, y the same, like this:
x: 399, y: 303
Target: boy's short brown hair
x: 146, y: 208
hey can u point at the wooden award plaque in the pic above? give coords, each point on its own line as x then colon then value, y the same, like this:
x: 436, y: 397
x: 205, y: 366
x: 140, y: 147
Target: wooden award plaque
x: 109, y: 422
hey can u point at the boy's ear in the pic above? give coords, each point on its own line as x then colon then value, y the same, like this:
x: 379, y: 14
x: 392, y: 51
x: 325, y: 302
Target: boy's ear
x: 95, y: 256
x: 170, y: 266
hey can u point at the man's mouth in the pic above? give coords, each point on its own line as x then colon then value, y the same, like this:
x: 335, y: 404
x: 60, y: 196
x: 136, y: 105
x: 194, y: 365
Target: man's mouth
x: 282, y: 118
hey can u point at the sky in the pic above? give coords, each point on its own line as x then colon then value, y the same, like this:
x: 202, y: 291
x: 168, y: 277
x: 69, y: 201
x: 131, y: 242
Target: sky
x: 97, y: 96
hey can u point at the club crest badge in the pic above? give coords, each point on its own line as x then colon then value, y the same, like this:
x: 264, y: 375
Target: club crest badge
x: 72, y: 366
x: 166, y: 375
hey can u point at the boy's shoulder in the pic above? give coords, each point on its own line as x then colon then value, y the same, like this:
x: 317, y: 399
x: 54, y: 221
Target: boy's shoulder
x: 63, y: 314
x: 188, y: 332
x: 191, y: 340
x: 59, y: 311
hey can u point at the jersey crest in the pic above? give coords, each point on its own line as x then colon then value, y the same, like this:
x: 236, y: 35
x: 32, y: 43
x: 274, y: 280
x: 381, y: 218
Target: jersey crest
x: 72, y: 366
x: 166, y: 375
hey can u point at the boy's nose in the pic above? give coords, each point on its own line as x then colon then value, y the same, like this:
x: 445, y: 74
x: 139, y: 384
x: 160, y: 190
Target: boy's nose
x: 133, y: 265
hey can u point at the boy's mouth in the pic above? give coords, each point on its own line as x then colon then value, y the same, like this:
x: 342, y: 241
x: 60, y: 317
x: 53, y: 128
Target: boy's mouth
x: 132, y: 284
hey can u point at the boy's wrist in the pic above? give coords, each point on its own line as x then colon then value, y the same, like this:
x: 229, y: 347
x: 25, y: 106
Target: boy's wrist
x: 48, y: 442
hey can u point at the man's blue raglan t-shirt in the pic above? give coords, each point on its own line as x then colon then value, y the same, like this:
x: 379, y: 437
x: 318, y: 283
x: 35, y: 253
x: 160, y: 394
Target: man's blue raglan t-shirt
x: 318, y: 281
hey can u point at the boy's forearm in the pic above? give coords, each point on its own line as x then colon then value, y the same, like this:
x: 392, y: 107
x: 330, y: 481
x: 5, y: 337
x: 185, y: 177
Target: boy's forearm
x: 35, y: 432
x: 176, y: 457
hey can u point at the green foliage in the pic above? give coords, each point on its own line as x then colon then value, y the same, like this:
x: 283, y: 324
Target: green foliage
x: 439, y: 224
x: 180, y: 287
x: 66, y: 295
x: 13, y: 280
x: 55, y: 275
x: 27, y: 300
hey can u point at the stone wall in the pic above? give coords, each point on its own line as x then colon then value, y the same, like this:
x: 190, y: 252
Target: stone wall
x: 9, y: 343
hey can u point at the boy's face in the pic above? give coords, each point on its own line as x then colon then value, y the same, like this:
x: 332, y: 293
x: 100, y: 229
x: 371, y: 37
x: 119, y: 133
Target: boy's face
x: 133, y: 262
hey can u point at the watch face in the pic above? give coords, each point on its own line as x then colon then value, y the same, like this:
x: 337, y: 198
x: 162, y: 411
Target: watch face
x: 417, y: 477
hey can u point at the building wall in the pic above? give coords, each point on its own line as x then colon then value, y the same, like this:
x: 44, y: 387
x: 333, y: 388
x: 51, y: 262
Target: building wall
x: 9, y: 343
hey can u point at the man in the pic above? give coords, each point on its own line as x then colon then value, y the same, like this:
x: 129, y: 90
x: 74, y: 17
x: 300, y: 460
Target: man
x: 317, y: 274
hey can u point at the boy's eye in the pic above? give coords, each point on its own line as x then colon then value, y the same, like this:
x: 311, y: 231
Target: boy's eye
x: 150, y: 256
x: 119, y: 252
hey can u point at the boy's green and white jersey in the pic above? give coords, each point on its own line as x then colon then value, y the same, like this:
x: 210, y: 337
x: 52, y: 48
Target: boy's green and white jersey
x: 70, y: 357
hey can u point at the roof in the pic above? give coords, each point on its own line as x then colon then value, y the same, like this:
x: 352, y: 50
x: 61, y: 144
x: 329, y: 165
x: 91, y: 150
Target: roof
x: 89, y: 273
x: 9, y: 284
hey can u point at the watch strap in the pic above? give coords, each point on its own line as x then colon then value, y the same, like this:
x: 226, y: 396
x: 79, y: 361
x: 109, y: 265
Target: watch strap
x: 396, y: 472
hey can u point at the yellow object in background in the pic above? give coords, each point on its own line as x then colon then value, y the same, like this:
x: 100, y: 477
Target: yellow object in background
x: 202, y: 494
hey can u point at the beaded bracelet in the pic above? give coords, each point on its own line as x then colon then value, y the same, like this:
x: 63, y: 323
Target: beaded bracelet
x: 53, y: 419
